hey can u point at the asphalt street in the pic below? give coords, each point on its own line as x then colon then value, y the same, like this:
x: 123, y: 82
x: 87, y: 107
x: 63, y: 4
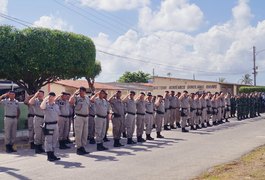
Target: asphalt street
x: 179, y: 156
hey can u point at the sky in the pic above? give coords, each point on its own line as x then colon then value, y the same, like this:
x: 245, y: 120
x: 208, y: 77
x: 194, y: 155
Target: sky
x: 204, y: 39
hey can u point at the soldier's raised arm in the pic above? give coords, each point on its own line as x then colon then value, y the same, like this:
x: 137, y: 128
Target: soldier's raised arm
x: 32, y: 99
x: 72, y: 98
x: 43, y: 103
x: 27, y: 99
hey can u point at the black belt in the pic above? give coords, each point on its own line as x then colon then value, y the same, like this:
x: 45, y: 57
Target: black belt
x: 31, y: 115
x: 116, y: 115
x: 65, y: 116
x: 53, y: 122
x: 39, y: 116
x: 101, y: 116
x: 131, y: 113
x: 149, y: 112
x: 13, y: 117
x: 159, y: 112
x: 91, y: 115
x: 142, y: 114
x: 173, y: 107
x: 81, y: 115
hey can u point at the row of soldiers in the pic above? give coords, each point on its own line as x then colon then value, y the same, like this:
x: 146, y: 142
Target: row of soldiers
x: 50, y: 118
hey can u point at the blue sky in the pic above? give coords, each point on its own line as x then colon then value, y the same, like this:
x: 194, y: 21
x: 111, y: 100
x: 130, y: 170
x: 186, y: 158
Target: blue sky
x: 210, y: 39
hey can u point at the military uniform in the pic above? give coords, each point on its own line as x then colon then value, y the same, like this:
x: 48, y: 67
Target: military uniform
x: 140, y: 119
x: 63, y: 122
x: 209, y: 110
x: 108, y: 119
x: 149, y: 118
x: 159, y: 116
x: 38, y: 121
x: 198, y: 114
x: 185, y: 106
x: 117, y: 120
x: 167, y: 113
x: 11, y: 113
x: 91, y: 123
x: 174, y: 111
x: 51, y: 116
x: 214, y: 111
x: 101, y: 111
x: 193, y: 108
x: 130, y: 107
x: 203, y: 111
x: 239, y: 108
x: 227, y: 107
x: 233, y: 106
x: 31, y: 125
x: 81, y: 123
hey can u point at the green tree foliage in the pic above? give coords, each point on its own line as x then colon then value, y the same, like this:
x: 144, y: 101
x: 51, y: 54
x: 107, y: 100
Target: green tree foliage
x: 34, y: 57
x: 247, y: 89
x: 92, y: 73
x: 137, y: 77
x: 222, y: 80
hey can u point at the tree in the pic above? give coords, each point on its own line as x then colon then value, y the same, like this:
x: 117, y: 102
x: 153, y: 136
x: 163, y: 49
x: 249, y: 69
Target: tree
x: 246, y: 79
x: 221, y: 79
x: 138, y: 77
x: 169, y: 74
x: 92, y: 73
x: 34, y: 57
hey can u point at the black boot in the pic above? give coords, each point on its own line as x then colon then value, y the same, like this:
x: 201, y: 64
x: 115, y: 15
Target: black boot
x: 80, y: 151
x: 92, y: 140
x: 8, y: 149
x: 166, y: 128
x: 208, y: 124
x: 106, y: 139
x: 62, y: 145
x: 154, y: 126
x: 116, y: 143
x: 32, y: 145
x: 119, y: 143
x: 100, y: 147
x: 54, y: 157
x: 124, y: 135
x: 68, y: 141
x: 49, y: 156
x: 203, y: 125
x: 130, y: 141
x: 192, y: 128
x: 84, y: 150
x: 226, y: 120
x: 158, y: 135
x: 184, y: 130
x: 39, y: 149
x: 172, y: 127
x: 198, y: 127
x: 178, y: 125
x: 12, y: 148
x: 148, y: 137
x: 140, y: 139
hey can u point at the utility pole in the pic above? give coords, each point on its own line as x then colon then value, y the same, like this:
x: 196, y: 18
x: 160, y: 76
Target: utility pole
x: 254, y: 65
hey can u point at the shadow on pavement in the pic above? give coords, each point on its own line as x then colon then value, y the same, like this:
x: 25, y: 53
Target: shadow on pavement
x: 68, y: 164
x: 10, y: 171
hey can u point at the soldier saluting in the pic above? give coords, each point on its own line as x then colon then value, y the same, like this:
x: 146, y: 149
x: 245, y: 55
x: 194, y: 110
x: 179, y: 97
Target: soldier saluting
x: 50, y: 126
x: 11, y: 112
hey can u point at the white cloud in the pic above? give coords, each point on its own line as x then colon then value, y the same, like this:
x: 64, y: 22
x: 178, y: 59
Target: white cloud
x: 53, y: 23
x: 114, y: 5
x: 224, y: 48
x: 177, y: 15
x: 3, y: 7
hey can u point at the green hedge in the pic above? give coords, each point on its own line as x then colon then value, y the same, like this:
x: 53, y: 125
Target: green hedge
x: 22, y: 122
x: 247, y: 89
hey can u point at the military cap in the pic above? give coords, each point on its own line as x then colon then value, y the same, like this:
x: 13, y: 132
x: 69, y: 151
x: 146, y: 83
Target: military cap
x: 52, y: 94
x: 132, y: 92
x: 142, y: 93
x: 149, y: 94
x: 185, y: 91
x: 41, y: 91
x: 82, y: 88
x: 159, y: 96
x: 11, y: 91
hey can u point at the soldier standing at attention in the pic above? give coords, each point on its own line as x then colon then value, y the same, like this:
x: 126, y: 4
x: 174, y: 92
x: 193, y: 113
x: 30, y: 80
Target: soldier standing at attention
x: 38, y: 120
x: 233, y: 106
x: 30, y: 121
x: 11, y: 113
x: 198, y: 110
x: 51, y: 132
x: 209, y: 108
x: 130, y: 107
x: 140, y: 117
x: 227, y: 106
x: 184, y: 104
x: 178, y: 116
x: 204, y: 110
x: 215, y: 105
x: 64, y: 118
x: 149, y: 116
x: 108, y: 119
x: 219, y: 107
x: 167, y: 111
x: 91, y: 123
x: 81, y: 104
x: 101, y: 111
x: 117, y: 117
x: 173, y: 102
x: 159, y: 115
x: 193, y: 107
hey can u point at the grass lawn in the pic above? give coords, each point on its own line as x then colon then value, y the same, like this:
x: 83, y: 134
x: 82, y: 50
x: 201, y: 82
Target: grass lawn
x: 250, y: 166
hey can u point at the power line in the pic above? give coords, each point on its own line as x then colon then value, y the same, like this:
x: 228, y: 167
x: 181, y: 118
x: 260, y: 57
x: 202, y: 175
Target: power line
x: 21, y: 22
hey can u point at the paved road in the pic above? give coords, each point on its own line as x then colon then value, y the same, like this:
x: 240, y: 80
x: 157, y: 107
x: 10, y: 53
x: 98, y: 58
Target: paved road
x: 179, y: 156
